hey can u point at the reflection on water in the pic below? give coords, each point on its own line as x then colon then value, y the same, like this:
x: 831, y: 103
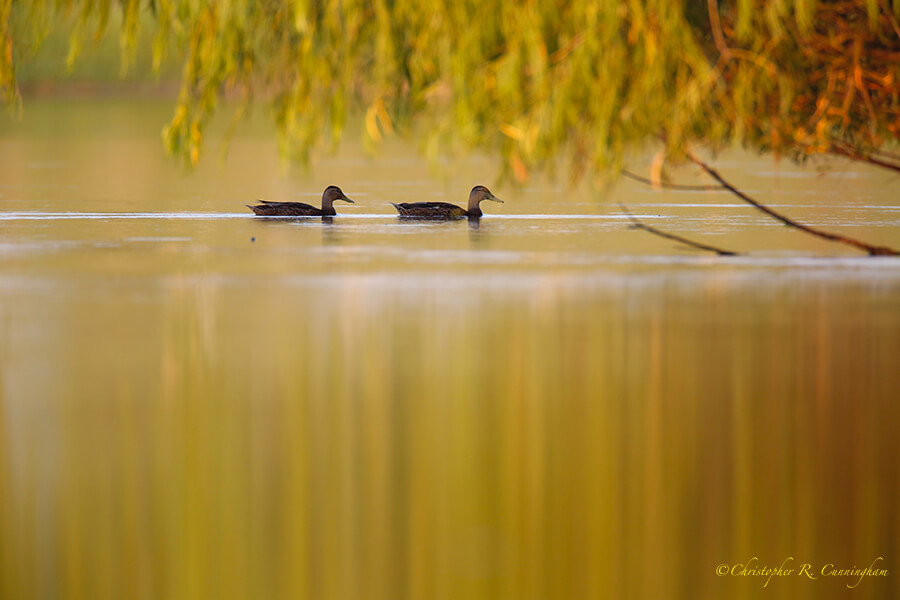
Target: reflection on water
x: 213, y: 406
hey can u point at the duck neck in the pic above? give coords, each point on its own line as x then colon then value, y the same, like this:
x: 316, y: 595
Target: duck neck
x: 474, y: 202
x: 474, y: 212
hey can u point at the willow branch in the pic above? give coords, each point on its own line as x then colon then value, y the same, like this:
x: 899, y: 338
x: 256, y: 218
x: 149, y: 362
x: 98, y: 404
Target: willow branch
x: 673, y: 186
x: 671, y: 236
x: 872, y: 250
x: 712, y: 7
x: 890, y: 15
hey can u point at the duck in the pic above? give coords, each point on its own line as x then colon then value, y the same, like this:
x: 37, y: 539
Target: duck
x: 445, y: 210
x: 298, y: 209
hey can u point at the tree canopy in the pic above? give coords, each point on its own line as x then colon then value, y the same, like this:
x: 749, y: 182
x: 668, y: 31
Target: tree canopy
x: 533, y: 81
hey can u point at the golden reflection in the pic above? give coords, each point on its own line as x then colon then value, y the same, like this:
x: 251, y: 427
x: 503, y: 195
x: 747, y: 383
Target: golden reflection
x: 546, y: 439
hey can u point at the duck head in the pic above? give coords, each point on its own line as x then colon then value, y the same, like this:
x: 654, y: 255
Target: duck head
x: 332, y: 193
x: 479, y: 193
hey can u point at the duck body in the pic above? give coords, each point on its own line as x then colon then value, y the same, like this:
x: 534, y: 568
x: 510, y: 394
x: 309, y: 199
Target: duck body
x: 445, y: 210
x: 289, y: 209
x: 431, y: 210
x: 299, y: 209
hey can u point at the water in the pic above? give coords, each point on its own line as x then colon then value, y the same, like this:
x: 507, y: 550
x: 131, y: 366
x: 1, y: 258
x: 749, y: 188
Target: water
x: 197, y: 403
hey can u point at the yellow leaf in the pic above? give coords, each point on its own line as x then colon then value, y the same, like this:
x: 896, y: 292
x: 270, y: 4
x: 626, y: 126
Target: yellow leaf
x: 384, y: 118
x: 518, y: 167
x: 512, y: 132
x: 372, y: 124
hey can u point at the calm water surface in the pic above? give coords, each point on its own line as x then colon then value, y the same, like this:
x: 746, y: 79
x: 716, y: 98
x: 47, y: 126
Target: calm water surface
x: 196, y: 403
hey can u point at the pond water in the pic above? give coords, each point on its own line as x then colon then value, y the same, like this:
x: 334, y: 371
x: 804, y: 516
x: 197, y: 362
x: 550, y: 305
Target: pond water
x: 197, y: 403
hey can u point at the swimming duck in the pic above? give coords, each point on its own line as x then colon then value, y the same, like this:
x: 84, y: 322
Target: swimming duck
x: 298, y: 209
x: 445, y: 210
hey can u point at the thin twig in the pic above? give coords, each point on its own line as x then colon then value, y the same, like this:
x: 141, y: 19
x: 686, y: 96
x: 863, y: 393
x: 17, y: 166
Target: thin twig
x: 673, y: 186
x: 671, y: 236
x: 858, y: 156
x: 888, y: 155
x: 872, y: 250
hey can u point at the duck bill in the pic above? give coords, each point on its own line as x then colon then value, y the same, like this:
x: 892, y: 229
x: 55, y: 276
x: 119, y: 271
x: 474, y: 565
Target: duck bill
x: 494, y: 199
x: 346, y: 199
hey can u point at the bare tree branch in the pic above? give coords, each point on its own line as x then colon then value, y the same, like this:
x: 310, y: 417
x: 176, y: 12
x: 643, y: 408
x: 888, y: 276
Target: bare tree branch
x: 673, y: 186
x: 848, y: 152
x: 671, y: 236
x: 872, y: 250
x: 887, y: 155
